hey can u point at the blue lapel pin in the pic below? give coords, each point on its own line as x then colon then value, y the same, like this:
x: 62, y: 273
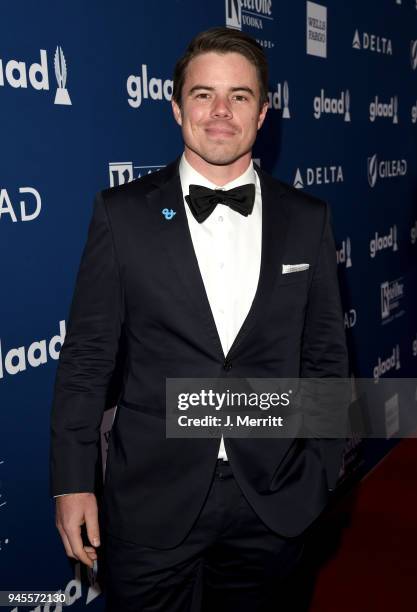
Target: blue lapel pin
x: 168, y: 214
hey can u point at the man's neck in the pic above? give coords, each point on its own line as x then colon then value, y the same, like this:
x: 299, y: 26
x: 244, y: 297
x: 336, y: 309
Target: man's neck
x: 219, y: 175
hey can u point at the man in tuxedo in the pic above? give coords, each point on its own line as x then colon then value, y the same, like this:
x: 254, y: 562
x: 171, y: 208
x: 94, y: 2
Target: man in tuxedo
x: 209, y: 268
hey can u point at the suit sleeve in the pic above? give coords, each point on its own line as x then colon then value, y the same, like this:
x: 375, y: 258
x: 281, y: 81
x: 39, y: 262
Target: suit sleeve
x: 324, y: 350
x: 87, y: 361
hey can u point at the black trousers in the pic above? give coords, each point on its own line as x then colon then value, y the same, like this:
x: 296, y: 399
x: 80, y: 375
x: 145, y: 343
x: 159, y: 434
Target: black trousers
x: 230, y: 561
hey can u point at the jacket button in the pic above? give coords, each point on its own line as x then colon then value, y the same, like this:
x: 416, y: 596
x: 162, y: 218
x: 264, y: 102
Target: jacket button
x: 227, y: 365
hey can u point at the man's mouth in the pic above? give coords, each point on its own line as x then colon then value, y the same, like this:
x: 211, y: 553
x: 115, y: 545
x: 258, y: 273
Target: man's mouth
x: 219, y: 132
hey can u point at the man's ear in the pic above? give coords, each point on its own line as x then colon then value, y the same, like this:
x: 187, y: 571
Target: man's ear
x: 262, y: 114
x: 177, y: 112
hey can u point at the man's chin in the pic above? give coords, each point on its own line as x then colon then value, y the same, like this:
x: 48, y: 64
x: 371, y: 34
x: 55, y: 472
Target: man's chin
x: 221, y: 158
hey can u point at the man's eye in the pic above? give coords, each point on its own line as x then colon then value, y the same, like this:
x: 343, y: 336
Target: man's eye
x: 240, y: 98
x: 203, y: 96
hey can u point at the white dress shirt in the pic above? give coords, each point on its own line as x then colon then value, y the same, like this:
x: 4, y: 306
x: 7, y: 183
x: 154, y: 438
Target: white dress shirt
x: 227, y: 246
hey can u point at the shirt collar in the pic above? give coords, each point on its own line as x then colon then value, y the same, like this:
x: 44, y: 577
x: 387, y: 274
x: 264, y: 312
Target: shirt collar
x: 190, y: 176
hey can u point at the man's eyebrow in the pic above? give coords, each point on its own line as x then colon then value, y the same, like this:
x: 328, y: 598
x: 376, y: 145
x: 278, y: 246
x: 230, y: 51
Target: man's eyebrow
x: 233, y: 89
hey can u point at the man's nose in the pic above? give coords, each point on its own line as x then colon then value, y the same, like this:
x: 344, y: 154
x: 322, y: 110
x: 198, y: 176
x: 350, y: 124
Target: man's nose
x: 221, y: 108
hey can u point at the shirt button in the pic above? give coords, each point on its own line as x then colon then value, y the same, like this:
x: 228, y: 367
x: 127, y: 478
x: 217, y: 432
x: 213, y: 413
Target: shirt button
x: 221, y: 265
x: 227, y: 365
x: 220, y: 219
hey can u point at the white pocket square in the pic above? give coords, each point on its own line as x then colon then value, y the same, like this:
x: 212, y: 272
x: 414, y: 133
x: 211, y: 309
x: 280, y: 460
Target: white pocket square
x: 288, y: 268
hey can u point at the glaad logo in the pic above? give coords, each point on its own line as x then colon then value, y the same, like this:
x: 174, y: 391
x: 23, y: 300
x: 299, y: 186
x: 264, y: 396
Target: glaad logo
x: 380, y: 243
x: 6, y: 206
x: 332, y: 106
x: 17, y: 359
x: 380, y: 109
x: 279, y: 99
x: 73, y: 592
x: 391, y: 295
x: 413, y: 54
x: 16, y: 74
x: 344, y: 254
x: 372, y: 42
x: 413, y: 233
x: 321, y: 175
x: 414, y: 113
x: 140, y: 88
x: 385, y: 169
x: 316, y: 29
x: 251, y: 13
x: 125, y: 172
x: 390, y: 363
x: 350, y: 318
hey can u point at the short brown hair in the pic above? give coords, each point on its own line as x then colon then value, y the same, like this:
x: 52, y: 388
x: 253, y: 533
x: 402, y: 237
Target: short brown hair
x: 223, y: 40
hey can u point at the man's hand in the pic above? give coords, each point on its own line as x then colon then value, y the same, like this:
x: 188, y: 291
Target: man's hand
x: 72, y: 511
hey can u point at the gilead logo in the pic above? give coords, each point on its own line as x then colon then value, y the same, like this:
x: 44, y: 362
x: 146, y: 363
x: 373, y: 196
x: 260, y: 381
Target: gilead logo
x: 17, y: 360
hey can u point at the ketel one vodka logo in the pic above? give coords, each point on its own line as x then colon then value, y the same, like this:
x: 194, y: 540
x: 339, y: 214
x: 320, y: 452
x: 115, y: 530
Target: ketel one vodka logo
x: 19, y: 75
x: 385, y: 169
x: 386, y: 241
x: 344, y: 254
x: 324, y: 105
x: 384, y: 109
x: 413, y: 54
x: 250, y: 13
x: 391, y: 295
x: 125, y: 172
x: 279, y: 99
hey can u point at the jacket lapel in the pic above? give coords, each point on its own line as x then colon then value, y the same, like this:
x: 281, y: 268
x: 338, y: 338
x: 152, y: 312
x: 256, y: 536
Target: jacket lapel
x: 174, y: 236
x: 275, y: 224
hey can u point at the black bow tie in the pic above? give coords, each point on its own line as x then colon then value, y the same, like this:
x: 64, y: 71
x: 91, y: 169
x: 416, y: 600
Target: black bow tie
x: 202, y: 200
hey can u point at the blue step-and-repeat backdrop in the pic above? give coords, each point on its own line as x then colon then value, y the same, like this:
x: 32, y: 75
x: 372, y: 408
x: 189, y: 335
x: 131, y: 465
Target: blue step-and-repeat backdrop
x: 85, y: 92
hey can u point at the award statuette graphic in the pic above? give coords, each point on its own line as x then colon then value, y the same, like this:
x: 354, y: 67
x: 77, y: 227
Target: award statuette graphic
x: 286, y: 97
x: 413, y: 54
x: 347, y: 105
x: 395, y: 245
x: 348, y: 251
x: 395, y: 104
x: 62, y: 95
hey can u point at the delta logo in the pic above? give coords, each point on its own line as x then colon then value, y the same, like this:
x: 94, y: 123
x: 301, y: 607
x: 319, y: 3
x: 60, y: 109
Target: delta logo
x: 319, y: 175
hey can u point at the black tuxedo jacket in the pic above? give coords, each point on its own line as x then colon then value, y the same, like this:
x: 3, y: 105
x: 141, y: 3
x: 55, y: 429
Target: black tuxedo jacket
x: 139, y: 280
